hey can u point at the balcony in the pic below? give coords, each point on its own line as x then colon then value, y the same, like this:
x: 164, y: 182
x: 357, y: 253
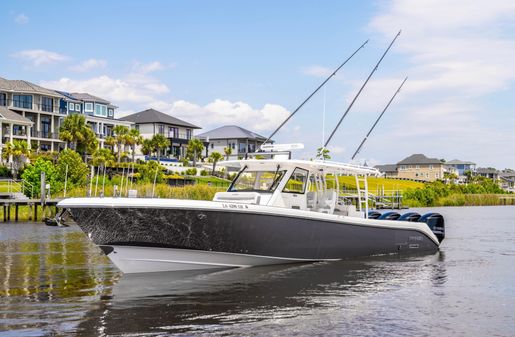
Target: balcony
x: 28, y: 105
x: 178, y: 135
x: 44, y: 134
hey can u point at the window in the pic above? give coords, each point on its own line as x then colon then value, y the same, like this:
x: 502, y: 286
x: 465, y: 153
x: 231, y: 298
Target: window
x: 71, y: 107
x: 188, y: 133
x: 430, y: 167
x: 297, y: 181
x: 47, y: 104
x: 88, y: 107
x: 259, y: 181
x: 417, y: 167
x: 252, y: 148
x: 173, y: 132
x: 77, y: 107
x: 242, y: 148
x: 22, y: 101
x: 110, y: 112
x: 100, y: 110
x: 233, y: 146
x: 212, y: 145
x: 136, y: 127
x: 162, y: 130
x: 3, y: 99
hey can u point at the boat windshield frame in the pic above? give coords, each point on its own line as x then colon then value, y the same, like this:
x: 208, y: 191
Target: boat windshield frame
x: 278, y: 175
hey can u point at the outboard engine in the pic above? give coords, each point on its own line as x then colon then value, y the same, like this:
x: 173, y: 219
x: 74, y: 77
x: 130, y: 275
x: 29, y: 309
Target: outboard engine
x: 436, y: 223
x: 373, y: 214
x: 389, y: 216
x: 410, y: 216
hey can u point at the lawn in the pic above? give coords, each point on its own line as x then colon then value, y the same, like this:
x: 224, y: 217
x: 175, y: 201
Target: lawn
x: 378, y: 184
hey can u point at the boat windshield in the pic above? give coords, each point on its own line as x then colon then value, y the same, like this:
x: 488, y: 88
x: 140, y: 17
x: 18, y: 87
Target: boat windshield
x: 257, y: 181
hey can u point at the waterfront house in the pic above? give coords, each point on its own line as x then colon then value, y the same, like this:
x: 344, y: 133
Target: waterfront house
x: 507, y: 180
x: 240, y: 140
x: 420, y: 167
x: 461, y: 166
x: 387, y: 170
x: 151, y: 122
x: 488, y: 172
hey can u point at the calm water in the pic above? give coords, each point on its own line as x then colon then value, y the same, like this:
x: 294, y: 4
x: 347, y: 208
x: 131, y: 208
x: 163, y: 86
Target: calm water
x: 54, y: 282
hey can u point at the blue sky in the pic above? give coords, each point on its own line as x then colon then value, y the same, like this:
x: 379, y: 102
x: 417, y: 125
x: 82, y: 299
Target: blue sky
x: 251, y: 63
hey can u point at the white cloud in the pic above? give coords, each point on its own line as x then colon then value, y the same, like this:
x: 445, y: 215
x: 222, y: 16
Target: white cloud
x: 21, y: 19
x: 89, y: 64
x: 38, y: 57
x: 316, y: 71
x: 145, y: 68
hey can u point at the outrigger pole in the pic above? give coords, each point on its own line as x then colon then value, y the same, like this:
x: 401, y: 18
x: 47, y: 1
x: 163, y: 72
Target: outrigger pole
x: 377, y: 121
x: 314, y: 92
x: 360, y: 90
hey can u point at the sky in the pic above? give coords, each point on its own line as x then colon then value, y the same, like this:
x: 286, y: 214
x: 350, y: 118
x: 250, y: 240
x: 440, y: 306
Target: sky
x: 251, y: 63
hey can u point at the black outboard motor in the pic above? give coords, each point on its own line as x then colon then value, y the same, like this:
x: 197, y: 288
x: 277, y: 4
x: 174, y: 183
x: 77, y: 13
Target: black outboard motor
x: 436, y: 224
x: 373, y: 214
x: 389, y: 216
x: 410, y: 216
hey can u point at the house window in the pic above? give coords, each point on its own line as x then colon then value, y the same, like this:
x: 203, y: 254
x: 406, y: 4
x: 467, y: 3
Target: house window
x: 430, y: 167
x: 212, y: 145
x: 100, y: 110
x: 242, y: 148
x: 417, y: 167
x: 173, y: 132
x: 71, y: 107
x: 233, y: 146
x: 22, y: 101
x: 162, y: 129
x: 136, y: 127
x: 110, y: 112
x: 188, y: 133
x: 88, y: 107
x: 77, y: 107
x: 437, y: 175
x: 47, y: 104
x: 3, y: 99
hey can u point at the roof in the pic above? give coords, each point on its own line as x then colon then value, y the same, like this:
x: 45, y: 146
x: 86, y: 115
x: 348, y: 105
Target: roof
x: 87, y: 97
x: 459, y: 162
x: 9, y: 115
x: 386, y: 168
x: 417, y: 159
x: 25, y: 86
x: 486, y: 170
x: 154, y: 116
x: 231, y: 132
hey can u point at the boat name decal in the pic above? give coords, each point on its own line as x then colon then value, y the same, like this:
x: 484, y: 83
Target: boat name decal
x: 416, y: 238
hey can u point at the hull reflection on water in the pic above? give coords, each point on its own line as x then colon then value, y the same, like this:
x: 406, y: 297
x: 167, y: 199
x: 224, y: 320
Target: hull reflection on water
x: 194, y: 302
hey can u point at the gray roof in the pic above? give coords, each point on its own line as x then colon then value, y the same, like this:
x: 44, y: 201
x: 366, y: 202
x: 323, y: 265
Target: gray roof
x: 486, y: 170
x: 231, y: 132
x: 87, y: 97
x: 459, y: 162
x: 386, y: 168
x: 154, y: 116
x: 9, y: 115
x: 419, y: 159
x: 25, y: 86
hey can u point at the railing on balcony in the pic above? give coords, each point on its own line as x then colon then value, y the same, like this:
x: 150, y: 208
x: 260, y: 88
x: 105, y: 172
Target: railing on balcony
x: 177, y: 135
x: 27, y: 105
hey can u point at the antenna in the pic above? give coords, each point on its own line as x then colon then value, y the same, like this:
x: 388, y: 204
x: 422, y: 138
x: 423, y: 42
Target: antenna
x: 377, y: 121
x: 360, y: 90
x: 314, y: 92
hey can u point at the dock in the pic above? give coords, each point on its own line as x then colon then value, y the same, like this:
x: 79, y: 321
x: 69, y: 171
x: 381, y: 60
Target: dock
x: 34, y: 205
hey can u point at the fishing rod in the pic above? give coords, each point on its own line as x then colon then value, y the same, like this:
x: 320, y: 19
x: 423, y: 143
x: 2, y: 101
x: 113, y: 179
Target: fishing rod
x: 377, y: 121
x: 360, y: 90
x: 314, y: 92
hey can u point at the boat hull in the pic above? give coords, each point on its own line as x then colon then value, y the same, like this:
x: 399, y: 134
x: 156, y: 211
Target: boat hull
x: 143, y: 239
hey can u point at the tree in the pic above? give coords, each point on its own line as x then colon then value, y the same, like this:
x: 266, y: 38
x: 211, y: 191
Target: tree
x: 133, y: 139
x: 71, y: 167
x: 215, y: 157
x: 110, y: 141
x: 147, y: 147
x: 194, y: 150
x: 159, y: 143
x: 19, y: 150
x: 228, y: 152
x: 72, y: 130
x: 323, y: 153
x: 120, y: 132
x: 32, y: 174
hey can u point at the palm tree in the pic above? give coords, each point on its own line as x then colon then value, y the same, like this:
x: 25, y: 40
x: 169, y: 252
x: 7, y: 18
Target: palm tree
x: 18, y: 150
x: 228, y: 152
x: 111, y: 141
x: 194, y: 150
x: 102, y: 157
x: 215, y: 157
x: 133, y: 139
x: 323, y: 153
x: 160, y: 142
x: 147, y: 147
x: 73, y: 129
x: 67, y: 137
x: 120, y: 132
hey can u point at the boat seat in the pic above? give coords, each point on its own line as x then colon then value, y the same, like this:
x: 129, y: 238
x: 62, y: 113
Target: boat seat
x: 311, y: 200
x: 238, y: 197
x: 327, y: 201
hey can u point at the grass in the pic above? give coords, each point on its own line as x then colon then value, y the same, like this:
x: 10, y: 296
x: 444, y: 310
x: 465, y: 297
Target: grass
x: 378, y: 184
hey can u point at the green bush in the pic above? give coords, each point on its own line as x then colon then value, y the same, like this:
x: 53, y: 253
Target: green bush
x: 77, y: 170
x: 191, y: 172
x: 204, y: 173
x: 32, y: 174
x: 5, y: 172
x: 147, y: 172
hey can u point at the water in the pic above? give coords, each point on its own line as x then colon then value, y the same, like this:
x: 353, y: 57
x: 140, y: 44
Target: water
x: 54, y: 282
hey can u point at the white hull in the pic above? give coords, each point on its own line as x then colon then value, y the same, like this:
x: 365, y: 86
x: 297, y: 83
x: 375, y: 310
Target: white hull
x: 149, y: 259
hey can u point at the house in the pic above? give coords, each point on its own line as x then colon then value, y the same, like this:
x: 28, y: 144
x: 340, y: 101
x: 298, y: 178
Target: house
x: 488, y: 172
x: 420, y: 167
x: 387, y: 170
x: 151, y: 122
x: 507, y: 180
x: 240, y: 140
x: 99, y: 113
x: 461, y: 166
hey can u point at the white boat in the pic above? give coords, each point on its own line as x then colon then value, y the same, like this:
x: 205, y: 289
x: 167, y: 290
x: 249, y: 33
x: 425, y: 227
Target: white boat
x: 276, y: 211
